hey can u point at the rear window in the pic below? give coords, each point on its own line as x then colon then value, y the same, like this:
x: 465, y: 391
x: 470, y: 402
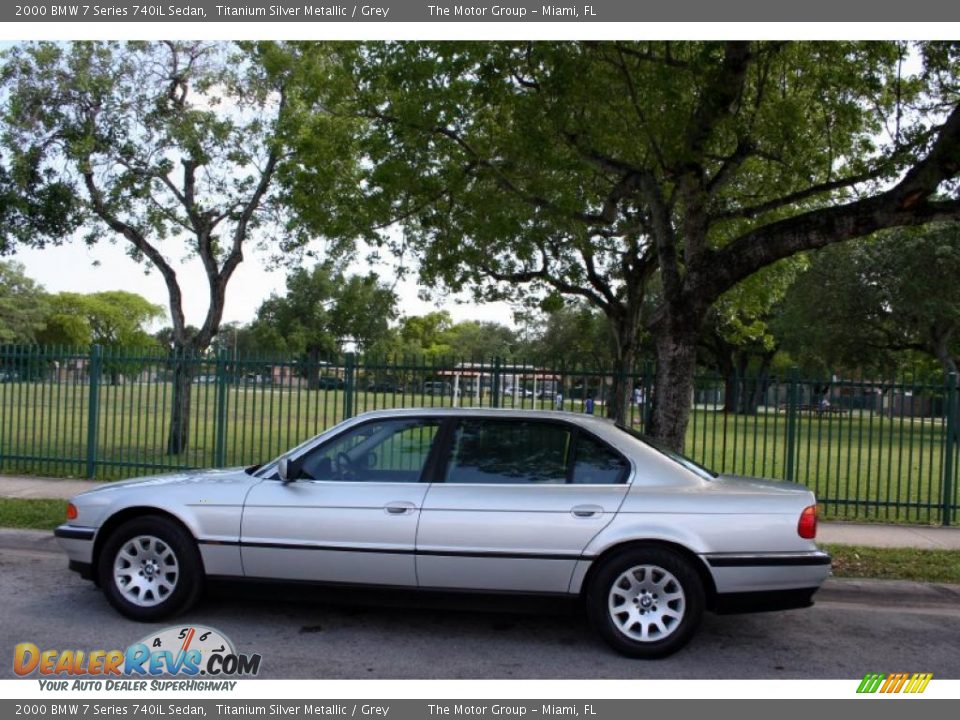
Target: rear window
x: 691, y: 465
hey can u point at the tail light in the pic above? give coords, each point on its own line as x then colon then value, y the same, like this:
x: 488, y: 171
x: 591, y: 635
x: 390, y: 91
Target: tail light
x: 71, y: 511
x: 807, y: 526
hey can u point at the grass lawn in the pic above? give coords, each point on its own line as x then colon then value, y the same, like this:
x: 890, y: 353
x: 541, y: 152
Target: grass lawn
x: 861, y: 465
x: 32, y: 513
x: 853, y: 561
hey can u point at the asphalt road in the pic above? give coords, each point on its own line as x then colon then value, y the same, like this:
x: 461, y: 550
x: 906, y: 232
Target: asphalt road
x: 855, y: 628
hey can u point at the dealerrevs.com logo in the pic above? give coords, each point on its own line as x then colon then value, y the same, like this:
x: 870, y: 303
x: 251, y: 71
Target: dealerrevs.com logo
x: 180, y: 651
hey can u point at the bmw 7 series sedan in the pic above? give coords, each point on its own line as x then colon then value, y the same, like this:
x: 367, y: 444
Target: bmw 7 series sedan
x: 469, y: 500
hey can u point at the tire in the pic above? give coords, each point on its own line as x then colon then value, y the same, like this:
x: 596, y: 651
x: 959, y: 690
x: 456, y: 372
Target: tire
x: 150, y: 569
x: 646, y: 602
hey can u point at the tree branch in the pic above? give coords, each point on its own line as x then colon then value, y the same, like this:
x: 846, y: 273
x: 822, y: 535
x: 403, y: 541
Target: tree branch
x: 717, y: 101
x: 800, y: 195
x: 137, y: 239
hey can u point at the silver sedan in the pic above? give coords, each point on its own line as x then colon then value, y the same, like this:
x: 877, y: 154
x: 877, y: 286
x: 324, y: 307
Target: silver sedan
x: 479, y: 500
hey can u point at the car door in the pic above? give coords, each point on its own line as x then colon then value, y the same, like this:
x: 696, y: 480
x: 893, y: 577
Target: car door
x: 516, y: 502
x: 351, y: 515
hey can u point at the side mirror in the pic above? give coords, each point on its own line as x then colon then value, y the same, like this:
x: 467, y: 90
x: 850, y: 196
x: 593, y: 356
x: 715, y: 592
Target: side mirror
x: 286, y: 471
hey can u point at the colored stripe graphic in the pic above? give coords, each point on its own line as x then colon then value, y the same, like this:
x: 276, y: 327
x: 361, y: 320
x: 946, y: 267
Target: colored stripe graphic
x: 894, y: 682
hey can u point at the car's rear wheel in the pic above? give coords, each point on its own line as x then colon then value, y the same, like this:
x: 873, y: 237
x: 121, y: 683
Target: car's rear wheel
x: 150, y: 569
x: 646, y: 602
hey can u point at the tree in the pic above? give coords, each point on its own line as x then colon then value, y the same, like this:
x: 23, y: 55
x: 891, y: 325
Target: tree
x: 114, y: 318
x: 362, y: 310
x: 23, y: 304
x: 600, y: 169
x: 860, y: 307
x: 480, y: 340
x: 322, y: 310
x: 738, y: 336
x: 169, y: 147
x: 571, y: 336
x: 425, y: 334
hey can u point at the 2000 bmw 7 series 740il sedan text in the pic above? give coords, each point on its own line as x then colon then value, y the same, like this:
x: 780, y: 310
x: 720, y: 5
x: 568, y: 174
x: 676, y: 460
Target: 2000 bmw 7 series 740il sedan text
x: 465, y: 500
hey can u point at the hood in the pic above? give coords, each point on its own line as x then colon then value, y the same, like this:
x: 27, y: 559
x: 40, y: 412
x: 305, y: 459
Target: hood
x: 224, y: 476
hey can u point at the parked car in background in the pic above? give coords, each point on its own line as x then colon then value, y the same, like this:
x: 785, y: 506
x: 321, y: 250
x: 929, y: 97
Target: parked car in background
x: 385, y: 386
x: 330, y: 382
x: 437, y: 387
x: 477, y: 500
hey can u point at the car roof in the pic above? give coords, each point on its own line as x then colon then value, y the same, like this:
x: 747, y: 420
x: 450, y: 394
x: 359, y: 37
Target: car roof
x: 579, y: 418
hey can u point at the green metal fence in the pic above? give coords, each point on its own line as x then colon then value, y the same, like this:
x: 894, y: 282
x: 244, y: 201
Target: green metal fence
x: 870, y: 449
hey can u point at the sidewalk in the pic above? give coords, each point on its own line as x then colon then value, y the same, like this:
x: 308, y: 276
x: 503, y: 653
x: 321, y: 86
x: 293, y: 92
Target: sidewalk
x: 925, y: 537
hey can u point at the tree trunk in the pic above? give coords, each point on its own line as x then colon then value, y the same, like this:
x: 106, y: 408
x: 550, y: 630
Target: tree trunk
x: 618, y: 407
x: 760, y: 386
x: 313, y: 367
x: 179, y: 435
x: 731, y: 383
x: 626, y: 335
x: 742, y: 384
x: 941, y: 349
x: 673, y: 392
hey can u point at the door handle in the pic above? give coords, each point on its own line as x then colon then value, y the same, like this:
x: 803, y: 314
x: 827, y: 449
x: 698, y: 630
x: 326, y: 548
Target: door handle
x: 399, y: 507
x: 585, y: 511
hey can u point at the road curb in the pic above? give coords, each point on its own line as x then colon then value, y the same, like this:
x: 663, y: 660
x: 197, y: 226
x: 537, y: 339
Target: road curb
x: 20, y: 539
x: 891, y: 593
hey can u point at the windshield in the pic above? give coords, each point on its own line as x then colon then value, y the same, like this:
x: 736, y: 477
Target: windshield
x: 683, y: 460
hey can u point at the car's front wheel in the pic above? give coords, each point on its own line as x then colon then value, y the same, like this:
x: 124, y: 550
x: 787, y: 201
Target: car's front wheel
x: 150, y: 568
x: 646, y: 602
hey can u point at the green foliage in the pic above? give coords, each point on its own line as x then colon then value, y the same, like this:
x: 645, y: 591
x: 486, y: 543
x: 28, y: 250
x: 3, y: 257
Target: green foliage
x: 574, y: 335
x: 872, y: 305
x: 171, y: 147
x: 322, y: 310
x: 647, y: 178
x: 500, y: 158
x: 425, y: 334
x: 113, y: 319
x: 742, y: 315
x: 481, y: 340
x: 23, y: 305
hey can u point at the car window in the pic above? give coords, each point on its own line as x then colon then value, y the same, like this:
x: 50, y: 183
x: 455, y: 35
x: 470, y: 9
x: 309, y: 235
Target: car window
x: 597, y: 464
x: 509, y: 452
x: 691, y: 465
x: 382, y: 451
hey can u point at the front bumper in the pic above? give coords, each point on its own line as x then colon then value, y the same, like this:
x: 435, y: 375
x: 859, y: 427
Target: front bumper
x: 77, y: 543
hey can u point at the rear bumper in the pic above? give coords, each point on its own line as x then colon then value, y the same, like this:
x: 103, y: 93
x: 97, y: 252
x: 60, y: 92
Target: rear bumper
x: 735, y: 573
x: 764, y: 601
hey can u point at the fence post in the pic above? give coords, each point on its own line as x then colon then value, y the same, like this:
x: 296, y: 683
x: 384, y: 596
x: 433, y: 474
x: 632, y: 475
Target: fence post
x: 349, y: 383
x: 647, y: 396
x: 220, y: 416
x: 949, y: 450
x: 495, y: 384
x: 93, y: 407
x: 793, y: 408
